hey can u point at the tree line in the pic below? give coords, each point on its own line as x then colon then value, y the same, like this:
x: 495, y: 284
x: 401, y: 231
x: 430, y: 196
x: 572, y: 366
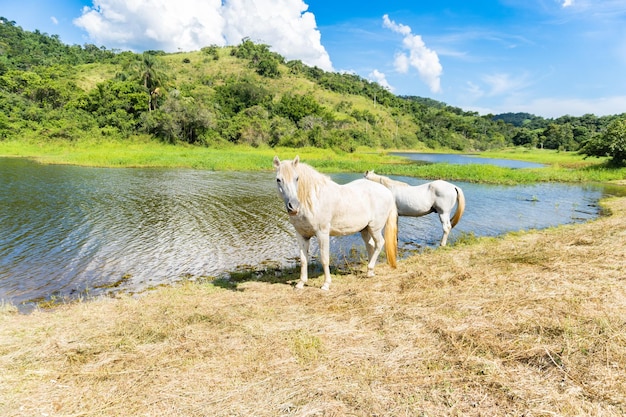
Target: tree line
x: 250, y: 95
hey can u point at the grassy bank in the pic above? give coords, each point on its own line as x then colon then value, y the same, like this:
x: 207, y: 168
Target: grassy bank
x: 529, y: 324
x: 561, y: 166
x: 151, y: 154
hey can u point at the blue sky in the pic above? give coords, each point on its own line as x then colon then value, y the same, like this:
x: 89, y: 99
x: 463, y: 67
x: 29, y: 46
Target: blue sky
x: 546, y: 57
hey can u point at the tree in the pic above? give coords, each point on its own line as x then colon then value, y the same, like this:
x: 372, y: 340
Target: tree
x: 559, y: 136
x: 235, y: 96
x: 295, y: 107
x: 525, y: 137
x: 268, y: 67
x: 115, y: 103
x: 180, y: 119
x: 150, y: 71
x: 611, y: 143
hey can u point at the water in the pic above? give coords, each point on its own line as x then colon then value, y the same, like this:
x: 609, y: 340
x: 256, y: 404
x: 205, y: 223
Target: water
x: 466, y: 159
x: 69, y: 231
x: 493, y: 210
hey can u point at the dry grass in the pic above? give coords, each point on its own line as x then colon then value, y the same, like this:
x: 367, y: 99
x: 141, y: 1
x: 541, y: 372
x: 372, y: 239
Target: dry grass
x: 532, y: 324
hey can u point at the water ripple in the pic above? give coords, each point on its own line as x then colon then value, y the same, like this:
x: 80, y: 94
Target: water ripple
x: 66, y: 231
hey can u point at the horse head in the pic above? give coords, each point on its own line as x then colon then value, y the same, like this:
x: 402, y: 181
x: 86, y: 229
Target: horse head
x: 368, y: 174
x: 287, y: 182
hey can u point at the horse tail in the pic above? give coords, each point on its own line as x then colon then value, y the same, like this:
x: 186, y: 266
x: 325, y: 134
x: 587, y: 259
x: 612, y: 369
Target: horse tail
x: 460, y: 208
x: 391, y: 237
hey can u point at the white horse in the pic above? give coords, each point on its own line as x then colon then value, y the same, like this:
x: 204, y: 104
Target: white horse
x: 418, y: 200
x: 318, y: 206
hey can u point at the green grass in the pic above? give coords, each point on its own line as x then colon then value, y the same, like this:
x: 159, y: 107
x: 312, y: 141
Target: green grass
x: 143, y: 152
x: 544, y: 156
x: 501, y: 175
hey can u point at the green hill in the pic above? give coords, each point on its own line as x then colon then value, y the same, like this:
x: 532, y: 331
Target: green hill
x: 243, y: 94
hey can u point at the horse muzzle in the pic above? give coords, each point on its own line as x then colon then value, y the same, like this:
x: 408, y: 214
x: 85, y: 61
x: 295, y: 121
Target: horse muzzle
x: 292, y: 208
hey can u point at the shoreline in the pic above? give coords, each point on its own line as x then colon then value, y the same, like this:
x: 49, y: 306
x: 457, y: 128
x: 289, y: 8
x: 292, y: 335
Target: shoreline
x: 620, y: 190
x: 529, y: 323
x: 564, y: 167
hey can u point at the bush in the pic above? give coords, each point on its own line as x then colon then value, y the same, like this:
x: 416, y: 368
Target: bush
x: 296, y: 107
x: 611, y: 143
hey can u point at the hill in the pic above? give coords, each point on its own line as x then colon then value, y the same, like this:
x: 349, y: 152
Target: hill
x: 243, y: 94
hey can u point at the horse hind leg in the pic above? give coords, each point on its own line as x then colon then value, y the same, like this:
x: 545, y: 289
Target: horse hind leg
x: 369, y: 243
x: 446, y: 226
x: 374, y: 243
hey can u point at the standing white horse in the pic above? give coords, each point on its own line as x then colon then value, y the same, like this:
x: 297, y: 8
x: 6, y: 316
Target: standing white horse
x: 318, y: 206
x: 418, y: 200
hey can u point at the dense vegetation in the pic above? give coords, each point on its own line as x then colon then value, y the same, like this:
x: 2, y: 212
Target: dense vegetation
x: 247, y: 94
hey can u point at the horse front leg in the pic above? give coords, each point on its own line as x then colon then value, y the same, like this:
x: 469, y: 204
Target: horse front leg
x: 323, y: 240
x: 303, y: 244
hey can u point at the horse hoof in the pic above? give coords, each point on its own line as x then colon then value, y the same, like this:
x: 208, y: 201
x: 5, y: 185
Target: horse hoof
x: 325, y: 287
x: 299, y: 286
x: 370, y: 273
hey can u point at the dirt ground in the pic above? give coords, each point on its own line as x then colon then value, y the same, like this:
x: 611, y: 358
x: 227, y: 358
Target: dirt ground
x: 530, y: 324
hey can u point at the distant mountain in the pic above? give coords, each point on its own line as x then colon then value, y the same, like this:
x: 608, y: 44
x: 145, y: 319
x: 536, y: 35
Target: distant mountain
x: 518, y: 119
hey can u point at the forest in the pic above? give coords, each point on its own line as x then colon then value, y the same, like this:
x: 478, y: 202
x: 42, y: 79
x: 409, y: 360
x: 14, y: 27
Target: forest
x: 247, y: 94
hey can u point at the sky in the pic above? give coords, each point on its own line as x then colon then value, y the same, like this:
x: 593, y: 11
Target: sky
x: 546, y: 57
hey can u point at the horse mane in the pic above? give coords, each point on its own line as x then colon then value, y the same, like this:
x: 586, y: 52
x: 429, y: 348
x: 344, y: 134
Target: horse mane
x: 310, y: 182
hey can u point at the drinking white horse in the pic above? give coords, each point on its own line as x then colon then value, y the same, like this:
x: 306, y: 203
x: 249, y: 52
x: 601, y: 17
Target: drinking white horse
x: 418, y: 200
x: 318, y: 206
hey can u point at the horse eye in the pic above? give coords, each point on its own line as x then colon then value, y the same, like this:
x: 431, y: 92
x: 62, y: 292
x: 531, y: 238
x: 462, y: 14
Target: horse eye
x: 278, y: 180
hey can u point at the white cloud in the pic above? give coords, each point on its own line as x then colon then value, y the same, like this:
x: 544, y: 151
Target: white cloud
x: 474, y: 90
x: 401, y: 63
x: 567, y: 3
x: 556, y: 107
x: 381, y: 79
x: 396, y: 27
x: 420, y: 57
x: 54, y: 20
x: 500, y: 84
x: 167, y: 25
x: 187, y: 25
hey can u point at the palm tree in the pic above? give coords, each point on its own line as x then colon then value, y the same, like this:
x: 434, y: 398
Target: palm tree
x: 149, y: 70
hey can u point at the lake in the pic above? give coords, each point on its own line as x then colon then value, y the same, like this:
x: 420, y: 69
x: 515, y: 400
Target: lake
x: 70, y: 231
x: 465, y: 159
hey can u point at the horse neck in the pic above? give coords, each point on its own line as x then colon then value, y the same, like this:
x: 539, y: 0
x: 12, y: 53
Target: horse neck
x: 310, y: 183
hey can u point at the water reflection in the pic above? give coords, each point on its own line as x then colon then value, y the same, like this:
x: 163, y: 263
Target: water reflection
x: 66, y: 231
x: 492, y: 210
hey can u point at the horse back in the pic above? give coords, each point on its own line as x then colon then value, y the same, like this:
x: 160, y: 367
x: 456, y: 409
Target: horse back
x: 366, y: 193
x: 357, y: 205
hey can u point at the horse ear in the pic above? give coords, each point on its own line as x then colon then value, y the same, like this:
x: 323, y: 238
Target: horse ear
x: 276, y: 161
x: 296, y: 160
